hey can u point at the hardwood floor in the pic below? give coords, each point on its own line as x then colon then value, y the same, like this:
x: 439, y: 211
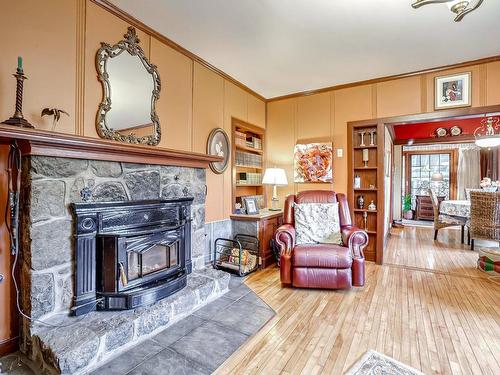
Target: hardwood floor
x: 415, y: 247
x: 443, y: 320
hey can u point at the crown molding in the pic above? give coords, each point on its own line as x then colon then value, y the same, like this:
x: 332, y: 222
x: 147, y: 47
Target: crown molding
x: 113, y: 9
x: 386, y: 78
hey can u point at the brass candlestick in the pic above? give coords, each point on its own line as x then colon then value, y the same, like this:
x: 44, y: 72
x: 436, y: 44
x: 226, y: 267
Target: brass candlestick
x: 18, y: 119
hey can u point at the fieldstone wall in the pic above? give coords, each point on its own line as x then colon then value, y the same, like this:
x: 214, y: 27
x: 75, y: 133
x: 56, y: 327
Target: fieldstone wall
x: 50, y: 184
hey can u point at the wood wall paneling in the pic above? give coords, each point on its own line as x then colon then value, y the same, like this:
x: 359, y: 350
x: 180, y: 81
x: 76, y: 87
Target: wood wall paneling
x: 349, y: 105
x: 256, y: 111
x: 399, y: 97
x: 208, y: 108
x: 101, y: 26
x: 493, y: 83
x: 49, y: 54
x: 281, y: 141
x: 175, y: 106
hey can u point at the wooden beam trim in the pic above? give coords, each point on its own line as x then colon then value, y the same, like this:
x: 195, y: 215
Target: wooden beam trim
x: 45, y: 143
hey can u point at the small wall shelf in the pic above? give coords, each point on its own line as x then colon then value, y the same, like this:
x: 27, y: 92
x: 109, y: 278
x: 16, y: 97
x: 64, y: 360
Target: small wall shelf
x: 250, y: 149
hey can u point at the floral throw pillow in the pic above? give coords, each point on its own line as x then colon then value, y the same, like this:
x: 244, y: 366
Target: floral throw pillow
x: 317, y: 223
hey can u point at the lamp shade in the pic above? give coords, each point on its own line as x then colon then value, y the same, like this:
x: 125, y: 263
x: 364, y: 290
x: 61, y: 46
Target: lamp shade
x: 275, y: 176
x: 488, y: 141
x: 437, y: 177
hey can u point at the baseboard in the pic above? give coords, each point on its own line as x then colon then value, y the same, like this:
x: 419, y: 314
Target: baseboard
x: 9, y: 346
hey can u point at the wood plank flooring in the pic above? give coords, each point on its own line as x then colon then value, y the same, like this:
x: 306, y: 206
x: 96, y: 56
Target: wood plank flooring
x: 415, y: 247
x: 444, y: 319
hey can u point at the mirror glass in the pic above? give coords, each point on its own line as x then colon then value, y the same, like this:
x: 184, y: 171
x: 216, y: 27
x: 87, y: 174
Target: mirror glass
x: 131, y: 86
x: 131, y: 91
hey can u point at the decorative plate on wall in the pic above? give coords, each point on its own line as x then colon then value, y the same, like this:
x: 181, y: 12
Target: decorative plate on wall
x: 218, y: 145
x: 455, y: 130
x: 441, y: 132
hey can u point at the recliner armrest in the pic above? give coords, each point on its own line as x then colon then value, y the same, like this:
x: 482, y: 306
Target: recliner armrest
x: 354, y: 238
x: 285, y: 238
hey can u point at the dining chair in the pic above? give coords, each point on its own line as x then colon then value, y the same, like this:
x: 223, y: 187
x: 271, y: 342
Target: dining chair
x: 468, y: 191
x: 484, y: 216
x: 443, y: 221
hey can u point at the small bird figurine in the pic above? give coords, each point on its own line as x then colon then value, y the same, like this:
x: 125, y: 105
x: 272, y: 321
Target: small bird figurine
x: 54, y: 112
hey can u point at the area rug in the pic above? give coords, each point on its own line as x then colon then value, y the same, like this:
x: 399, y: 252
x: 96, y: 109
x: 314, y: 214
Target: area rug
x: 374, y: 363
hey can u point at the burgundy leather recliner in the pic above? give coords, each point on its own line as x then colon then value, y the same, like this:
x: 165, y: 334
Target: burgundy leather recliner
x: 325, y: 266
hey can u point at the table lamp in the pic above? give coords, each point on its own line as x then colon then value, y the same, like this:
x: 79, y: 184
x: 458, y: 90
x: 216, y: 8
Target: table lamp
x: 275, y: 177
x: 437, y: 178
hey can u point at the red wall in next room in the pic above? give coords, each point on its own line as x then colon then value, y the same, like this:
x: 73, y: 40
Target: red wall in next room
x: 425, y: 130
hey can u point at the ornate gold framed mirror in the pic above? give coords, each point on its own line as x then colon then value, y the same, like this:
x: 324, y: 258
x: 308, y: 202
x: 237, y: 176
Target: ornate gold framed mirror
x: 131, y: 86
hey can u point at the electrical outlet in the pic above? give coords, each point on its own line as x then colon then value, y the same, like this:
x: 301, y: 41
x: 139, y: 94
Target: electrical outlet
x: 340, y: 152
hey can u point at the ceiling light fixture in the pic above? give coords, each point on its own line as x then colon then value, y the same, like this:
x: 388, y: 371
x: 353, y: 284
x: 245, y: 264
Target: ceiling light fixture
x: 460, y: 7
x: 488, y: 134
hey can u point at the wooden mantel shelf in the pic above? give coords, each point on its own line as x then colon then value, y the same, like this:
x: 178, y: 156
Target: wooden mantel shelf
x: 45, y: 143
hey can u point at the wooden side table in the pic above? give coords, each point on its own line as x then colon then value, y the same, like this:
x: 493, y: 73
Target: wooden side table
x: 263, y: 225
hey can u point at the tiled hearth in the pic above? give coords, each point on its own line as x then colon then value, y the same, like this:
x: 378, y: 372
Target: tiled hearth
x: 197, y: 344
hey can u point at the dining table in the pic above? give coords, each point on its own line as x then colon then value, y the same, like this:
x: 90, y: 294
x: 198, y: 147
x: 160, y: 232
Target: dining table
x: 455, y: 207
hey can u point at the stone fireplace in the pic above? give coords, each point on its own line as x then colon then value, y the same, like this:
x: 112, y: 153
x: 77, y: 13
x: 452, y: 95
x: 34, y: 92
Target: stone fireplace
x: 148, y: 218
x: 51, y: 185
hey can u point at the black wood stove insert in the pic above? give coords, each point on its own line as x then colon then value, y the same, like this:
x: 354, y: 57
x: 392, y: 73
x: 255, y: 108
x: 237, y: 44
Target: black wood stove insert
x: 130, y: 254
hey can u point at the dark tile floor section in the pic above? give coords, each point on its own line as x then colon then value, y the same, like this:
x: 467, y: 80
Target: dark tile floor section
x: 196, y: 345
x: 202, y: 341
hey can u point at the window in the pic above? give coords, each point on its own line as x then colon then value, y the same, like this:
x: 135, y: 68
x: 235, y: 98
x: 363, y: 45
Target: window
x: 420, y: 166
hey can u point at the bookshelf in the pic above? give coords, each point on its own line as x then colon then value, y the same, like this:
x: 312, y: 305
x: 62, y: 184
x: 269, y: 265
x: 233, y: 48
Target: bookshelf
x: 248, y: 160
x: 371, y: 174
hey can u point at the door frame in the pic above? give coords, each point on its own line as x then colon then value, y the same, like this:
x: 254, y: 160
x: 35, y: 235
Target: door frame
x: 389, y: 123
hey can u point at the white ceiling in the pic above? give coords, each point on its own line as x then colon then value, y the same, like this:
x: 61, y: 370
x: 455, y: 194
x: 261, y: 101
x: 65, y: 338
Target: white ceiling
x: 278, y: 47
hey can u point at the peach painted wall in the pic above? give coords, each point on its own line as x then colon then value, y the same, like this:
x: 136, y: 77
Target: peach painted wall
x: 324, y: 116
x: 58, y: 40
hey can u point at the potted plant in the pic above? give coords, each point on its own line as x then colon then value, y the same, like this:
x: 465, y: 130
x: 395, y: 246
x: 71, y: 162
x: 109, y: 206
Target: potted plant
x: 407, y: 212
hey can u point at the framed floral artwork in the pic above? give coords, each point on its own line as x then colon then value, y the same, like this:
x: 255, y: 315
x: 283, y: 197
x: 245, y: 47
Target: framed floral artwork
x: 313, y: 162
x: 453, y: 91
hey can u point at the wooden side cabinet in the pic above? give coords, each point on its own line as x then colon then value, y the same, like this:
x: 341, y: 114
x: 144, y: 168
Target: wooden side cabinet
x: 423, y: 208
x: 262, y: 226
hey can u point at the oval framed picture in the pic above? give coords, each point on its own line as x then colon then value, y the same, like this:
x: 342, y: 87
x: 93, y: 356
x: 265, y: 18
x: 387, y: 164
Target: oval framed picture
x: 218, y: 145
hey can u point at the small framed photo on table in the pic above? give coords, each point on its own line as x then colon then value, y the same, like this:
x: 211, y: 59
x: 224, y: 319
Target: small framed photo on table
x: 251, y: 205
x: 452, y: 91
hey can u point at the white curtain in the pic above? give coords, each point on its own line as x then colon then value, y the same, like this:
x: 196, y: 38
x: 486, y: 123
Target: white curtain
x: 469, y: 171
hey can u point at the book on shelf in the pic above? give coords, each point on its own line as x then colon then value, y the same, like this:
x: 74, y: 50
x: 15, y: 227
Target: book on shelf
x: 248, y: 159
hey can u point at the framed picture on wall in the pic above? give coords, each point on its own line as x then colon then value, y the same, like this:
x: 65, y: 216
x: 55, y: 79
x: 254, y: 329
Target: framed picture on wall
x: 313, y: 162
x: 452, y: 91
